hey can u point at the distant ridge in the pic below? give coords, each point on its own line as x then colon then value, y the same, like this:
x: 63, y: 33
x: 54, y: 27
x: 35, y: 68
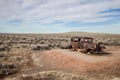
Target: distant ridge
x: 92, y: 33
x: 71, y: 32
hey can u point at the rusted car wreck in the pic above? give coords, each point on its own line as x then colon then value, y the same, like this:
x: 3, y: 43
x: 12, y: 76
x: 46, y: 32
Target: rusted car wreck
x: 85, y: 45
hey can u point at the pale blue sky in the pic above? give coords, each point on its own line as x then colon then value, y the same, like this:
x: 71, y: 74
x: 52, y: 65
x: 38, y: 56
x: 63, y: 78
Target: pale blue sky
x: 56, y: 16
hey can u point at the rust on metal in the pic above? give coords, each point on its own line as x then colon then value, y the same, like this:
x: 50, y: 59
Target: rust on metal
x: 85, y: 44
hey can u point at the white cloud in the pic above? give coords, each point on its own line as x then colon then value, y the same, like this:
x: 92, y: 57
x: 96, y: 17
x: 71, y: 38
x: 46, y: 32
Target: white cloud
x: 47, y: 11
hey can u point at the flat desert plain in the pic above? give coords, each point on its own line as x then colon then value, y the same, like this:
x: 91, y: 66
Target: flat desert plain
x: 45, y: 57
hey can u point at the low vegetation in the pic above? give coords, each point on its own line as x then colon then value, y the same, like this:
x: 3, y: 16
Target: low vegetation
x: 16, y: 51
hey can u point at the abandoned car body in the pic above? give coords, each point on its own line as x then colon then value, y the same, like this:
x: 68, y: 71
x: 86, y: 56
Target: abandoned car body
x: 85, y: 44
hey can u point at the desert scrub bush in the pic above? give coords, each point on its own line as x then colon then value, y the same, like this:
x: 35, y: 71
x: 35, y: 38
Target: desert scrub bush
x: 4, y: 48
x: 52, y: 75
x: 7, y: 69
x: 41, y: 47
x: 2, y: 55
x: 1, y: 42
x: 64, y: 45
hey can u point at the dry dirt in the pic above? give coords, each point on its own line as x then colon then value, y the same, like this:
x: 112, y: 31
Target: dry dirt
x: 61, y: 64
x: 80, y: 63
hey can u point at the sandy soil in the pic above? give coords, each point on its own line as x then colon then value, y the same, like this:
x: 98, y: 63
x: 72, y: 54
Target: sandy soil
x: 76, y: 62
x: 60, y: 61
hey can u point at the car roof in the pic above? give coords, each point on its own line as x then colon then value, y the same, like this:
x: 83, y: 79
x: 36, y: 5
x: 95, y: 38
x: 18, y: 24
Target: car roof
x: 82, y: 37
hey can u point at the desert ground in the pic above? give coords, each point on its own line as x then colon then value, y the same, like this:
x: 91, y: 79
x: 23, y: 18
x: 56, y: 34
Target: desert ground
x: 46, y: 57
